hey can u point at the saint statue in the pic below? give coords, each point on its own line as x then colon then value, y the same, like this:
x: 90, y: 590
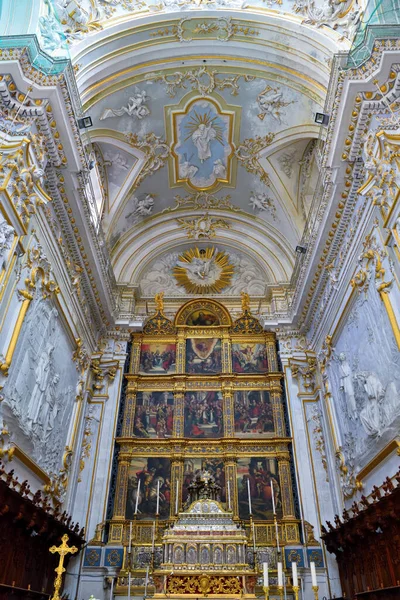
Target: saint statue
x: 202, y: 138
x: 346, y: 385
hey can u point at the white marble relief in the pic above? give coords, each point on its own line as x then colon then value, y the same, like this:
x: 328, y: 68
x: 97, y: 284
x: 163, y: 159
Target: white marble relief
x: 116, y: 160
x: 259, y: 201
x: 6, y: 239
x: 364, y: 374
x: 136, y: 107
x: 271, y: 103
x: 40, y: 391
x: 287, y: 161
x: 159, y: 278
x: 140, y: 207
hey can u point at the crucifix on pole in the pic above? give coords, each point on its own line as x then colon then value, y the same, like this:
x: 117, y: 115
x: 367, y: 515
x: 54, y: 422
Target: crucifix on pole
x: 62, y: 550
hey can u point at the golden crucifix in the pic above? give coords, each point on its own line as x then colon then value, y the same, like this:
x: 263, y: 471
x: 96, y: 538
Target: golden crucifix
x: 62, y: 550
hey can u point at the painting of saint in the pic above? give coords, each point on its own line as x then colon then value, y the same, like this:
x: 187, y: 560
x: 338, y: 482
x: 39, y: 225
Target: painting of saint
x: 253, y: 413
x: 157, y: 359
x: 203, y: 415
x: 202, y: 318
x: 203, y: 355
x: 260, y: 473
x: 154, y: 415
x: 194, y: 466
x: 148, y: 471
x: 249, y: 358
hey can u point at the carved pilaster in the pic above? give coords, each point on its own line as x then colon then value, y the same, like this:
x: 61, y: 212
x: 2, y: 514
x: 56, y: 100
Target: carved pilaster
x: 179, y: 407
x: 121, y: 488
x: 286, y: 488
x: 180, y: 352
x: 129, y: 413
x: 228, y: 404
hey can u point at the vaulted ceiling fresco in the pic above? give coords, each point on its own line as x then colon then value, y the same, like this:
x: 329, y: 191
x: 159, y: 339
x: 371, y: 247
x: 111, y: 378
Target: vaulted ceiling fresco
x: 203, y: 127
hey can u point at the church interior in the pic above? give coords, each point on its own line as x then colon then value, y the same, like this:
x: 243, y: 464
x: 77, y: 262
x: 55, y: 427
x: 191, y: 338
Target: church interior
x: 199, y: 299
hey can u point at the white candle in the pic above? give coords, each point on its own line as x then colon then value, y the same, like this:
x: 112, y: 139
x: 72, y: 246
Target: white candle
x: 146, y: 582
x: 158, y: 498
x: 130, y: 537
x: 313, y: 574
x: 265, y: 574
x: 137, y: 497
x: 273, y: 499
x: 177, y: 496
x: 129, y: 586
x: 112, y: 588
x: 294, y: 574
x: 153, y: 537
x: 249, y: 497
x: 280, y: 575
x: 229, y: 495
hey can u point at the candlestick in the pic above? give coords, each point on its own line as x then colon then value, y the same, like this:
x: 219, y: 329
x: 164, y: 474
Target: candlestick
x: 153, y: 537
x: 249, y: 497
x: 280, y: 591
x: 276, y: 534
x: 272, y: 497
x: 266, y: 592
x: 112, y: 588
x: 176, y: 496
x: 313, y: 575
x: 254, y: 538
x: 294, y: 574
x: 280, y: 575
x: 265, y: 575
x: 295, y: 589
x: 158, y: 497
x: 129, y: 586
x: 315, y: 589
x: 137, y: 497
x: 130, y: 537
x: 229, y: 495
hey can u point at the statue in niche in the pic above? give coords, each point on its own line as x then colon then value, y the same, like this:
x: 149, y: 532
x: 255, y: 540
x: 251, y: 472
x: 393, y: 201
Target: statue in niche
x: 218, y: 558
x: 191, y: 556
x: 42, y: 377
x: 347, y: 386
x: 178, y: 555
x: 370, y: 415
x: 230, y: 555
x: 205, y: 556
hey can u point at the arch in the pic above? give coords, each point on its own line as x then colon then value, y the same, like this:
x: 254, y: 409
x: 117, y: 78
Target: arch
x: 202, y: 305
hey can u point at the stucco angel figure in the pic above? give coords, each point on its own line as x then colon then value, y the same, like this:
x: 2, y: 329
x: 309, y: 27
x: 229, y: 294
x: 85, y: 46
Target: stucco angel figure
x: 136, y: 108
x: 141, y: 208
x: 269, y: 101
x: 347, y: 385
x: 202, y: 138
x: 6, y: 239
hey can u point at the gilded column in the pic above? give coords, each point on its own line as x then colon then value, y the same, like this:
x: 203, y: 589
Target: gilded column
x: 176, y: 485
x: 277, y: 408
x: 229, y: 425
x: 179, y: 405
x: 135, y: 355
x: 129, y: 411
x: 286, y: 488
x: 230, y: 476
x: 180, y: 352
x: 226, y: 352
x: 270, y: 344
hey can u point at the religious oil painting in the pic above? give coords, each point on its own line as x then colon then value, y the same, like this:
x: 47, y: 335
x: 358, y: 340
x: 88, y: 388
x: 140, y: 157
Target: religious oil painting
x: 257, y: 480
x: 203, y: 148
x: 154, y: 415
x: 253, y: 413
x: 144, y: 477
x: 157, y: 359
x: 203, y: 415
x: 195, y: 467
x: 203, y: 355
x: 249, y: 358
x: 202, y: 318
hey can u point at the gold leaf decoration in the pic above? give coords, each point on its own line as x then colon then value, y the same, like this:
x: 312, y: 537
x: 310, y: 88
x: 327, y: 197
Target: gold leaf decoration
x: 203, y: 271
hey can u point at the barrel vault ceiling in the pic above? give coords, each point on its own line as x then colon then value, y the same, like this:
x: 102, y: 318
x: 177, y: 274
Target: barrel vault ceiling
x: 203, y: 130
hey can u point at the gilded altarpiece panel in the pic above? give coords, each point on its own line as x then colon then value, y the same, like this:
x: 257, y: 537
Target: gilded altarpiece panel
x: 205, y: 395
